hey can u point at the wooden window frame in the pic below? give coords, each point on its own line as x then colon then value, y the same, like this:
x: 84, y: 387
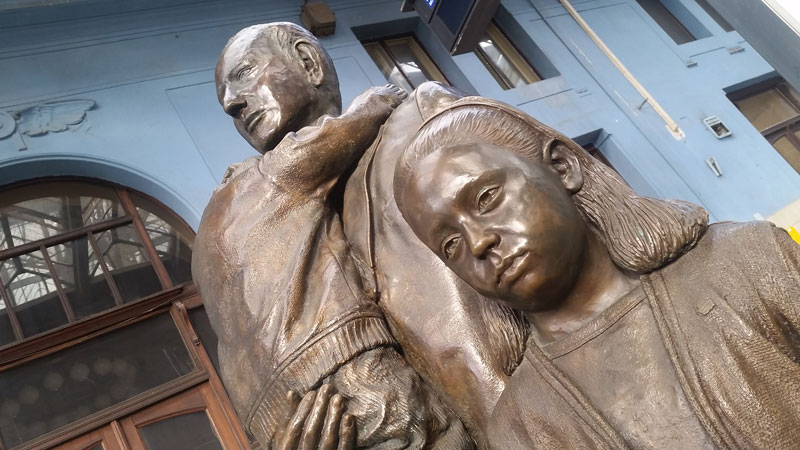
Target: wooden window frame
x: 131, y: 218
x: 515, y: 57
x: 171, y: 299
x: 203, y: 374
x: 786, y: 128
x: 428, y: 64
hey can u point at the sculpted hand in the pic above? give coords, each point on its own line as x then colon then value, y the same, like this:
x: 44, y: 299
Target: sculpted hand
x: 389, y: 94
x: 318, y: 423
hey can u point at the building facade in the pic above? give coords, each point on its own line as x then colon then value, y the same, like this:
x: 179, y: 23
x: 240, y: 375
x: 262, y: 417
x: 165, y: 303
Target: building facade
x: 120, y: 96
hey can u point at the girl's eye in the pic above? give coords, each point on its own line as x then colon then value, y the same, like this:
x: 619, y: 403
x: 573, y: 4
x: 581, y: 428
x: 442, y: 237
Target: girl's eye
x: 450, y: 245
x: 485, y: 198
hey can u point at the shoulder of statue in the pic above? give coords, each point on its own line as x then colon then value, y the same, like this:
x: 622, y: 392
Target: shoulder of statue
x: 433, y: 96
x: 756, y: 236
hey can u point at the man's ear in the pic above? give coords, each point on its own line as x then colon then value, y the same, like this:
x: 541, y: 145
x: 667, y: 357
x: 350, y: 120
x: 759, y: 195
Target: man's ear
x: 311, y: 59
x: 566, y: 164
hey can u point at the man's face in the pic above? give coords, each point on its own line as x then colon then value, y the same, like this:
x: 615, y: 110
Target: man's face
x: 267, y: 94
x: 505, y: 225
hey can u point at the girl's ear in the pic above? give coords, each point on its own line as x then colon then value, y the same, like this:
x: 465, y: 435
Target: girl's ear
x: 565, y: 163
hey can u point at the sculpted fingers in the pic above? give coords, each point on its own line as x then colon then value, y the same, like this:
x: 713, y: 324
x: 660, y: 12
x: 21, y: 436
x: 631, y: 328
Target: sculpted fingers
x: 393, y: 94
x: 347, y: 433
x: 315, y: 419
x: 330, y: 433
x: 290, y: 437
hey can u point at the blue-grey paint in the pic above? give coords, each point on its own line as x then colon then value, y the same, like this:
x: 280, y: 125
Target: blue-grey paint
x: 158, y: 127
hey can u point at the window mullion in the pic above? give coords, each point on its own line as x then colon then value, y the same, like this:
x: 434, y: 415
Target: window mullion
x: 150, y: 250
x: 12, y: 316
x: 396, y: 64
x: 106, y: 272
x: 62, y: 296
x: 498, y: 74
x: 62, y: 237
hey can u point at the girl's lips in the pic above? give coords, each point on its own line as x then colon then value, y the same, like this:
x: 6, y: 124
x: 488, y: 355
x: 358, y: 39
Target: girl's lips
x: 513, y: 270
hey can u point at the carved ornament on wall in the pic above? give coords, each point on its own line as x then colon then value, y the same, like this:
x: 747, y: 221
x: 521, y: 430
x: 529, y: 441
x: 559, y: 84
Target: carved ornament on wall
x: 38, y: 120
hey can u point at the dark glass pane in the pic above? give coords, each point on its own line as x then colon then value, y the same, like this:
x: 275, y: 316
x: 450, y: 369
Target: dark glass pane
x: 202, y: 327
x: 97, y: 447
x: 724, y: 24
x: 767, y: 109
x: 171, y: 238
x: 789, y: 150
x: 6, y: 332
x: 81, y: 276
x: 32, y: 290
x: 667, y: 21
x: 191, y: 431
x: 453, y: 13
x: 58, y: 389
x: 387, y: 66
x: 38, y: 211
x: 411, y: 59
x: 127, y: 261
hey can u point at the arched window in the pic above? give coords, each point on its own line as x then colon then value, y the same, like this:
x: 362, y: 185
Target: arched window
x: 70, y: 250
x: 101, y: 330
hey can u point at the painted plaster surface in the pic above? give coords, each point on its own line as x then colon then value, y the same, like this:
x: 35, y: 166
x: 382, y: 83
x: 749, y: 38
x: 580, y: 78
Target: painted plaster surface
x: 157, y: 126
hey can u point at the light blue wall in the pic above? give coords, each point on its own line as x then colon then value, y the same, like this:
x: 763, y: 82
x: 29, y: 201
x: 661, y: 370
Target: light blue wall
x: 158, y: 128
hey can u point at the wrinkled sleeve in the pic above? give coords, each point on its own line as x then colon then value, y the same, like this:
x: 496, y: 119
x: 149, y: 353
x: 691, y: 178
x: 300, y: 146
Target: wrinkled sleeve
x: 286, y: 300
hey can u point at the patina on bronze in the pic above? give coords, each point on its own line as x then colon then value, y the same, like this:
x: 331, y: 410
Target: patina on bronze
x: 282, y: 289
x: 650, y: 329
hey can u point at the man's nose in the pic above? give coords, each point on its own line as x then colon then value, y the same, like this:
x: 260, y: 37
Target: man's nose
x: 233, y: 103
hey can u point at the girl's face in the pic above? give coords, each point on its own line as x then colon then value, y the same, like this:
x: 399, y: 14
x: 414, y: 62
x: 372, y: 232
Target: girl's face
x: 504, y: 224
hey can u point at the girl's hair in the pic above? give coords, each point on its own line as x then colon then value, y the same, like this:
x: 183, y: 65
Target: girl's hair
x: 641, y: 233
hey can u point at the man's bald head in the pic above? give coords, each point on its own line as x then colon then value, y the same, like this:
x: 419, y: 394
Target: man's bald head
x: 273, y: 79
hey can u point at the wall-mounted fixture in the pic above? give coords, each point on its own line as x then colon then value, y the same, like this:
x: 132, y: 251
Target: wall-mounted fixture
x: 318, y: 18
x: 717, y: 127
x: 714, y: 166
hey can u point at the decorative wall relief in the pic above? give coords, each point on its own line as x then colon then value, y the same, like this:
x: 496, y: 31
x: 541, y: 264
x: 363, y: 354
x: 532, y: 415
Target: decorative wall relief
x: 41, y: 119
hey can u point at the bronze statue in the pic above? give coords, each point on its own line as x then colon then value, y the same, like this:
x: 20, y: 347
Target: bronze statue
x: 280, y: 284
x: 650, y: 329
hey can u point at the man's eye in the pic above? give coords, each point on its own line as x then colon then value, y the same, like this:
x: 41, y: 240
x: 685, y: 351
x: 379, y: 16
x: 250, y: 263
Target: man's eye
x: 485, y: 198
x: 243, y: 72
x: 450, y: 245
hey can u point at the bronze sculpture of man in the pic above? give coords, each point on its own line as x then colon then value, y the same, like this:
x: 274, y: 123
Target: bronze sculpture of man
x: 282, y: 289
x: 650, y: 329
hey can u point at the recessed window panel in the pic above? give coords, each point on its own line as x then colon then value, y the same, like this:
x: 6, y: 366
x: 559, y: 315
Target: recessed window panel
x: 667, y: 21
x: 503, y: 60
x: 404, y: 62
x: 78, y: 269
x: 56, y: 390
x: 171, y: 238
x: 767, y: 109
x: 31, y: 288
x: 31, y: 213
x: 186, y: 431
x: 127, y: 262
x: 724, y: 24
x: 773, y: 107
x: 789, y: 149
x: 387, y: 66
